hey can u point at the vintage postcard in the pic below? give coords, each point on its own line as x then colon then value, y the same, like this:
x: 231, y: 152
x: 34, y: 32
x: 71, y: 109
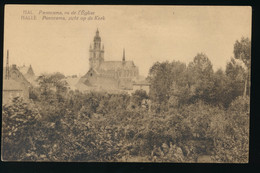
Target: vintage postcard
x: 121, y: 83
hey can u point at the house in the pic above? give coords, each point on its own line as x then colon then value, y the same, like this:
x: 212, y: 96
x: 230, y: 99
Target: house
x: 12, y: 89
x: 14, y: 83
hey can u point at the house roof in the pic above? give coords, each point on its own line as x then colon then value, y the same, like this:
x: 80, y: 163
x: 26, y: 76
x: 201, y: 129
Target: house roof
x: 72, y: 82
x: 26, y: 70
x: 91, y: 71
x: 23, y: 69
x: 12, y: 85
x: 13, y: 68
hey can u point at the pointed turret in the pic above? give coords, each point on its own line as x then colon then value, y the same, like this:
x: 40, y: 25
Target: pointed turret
x: 30, y: 71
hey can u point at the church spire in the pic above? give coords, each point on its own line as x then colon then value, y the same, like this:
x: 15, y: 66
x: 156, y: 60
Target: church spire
x: 97, y: 32
x: 97, y: 41
x: 124, y: 54
x: 7, y: 65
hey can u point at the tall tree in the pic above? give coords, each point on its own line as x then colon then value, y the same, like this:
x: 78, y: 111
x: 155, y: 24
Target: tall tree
x: 200, y: 75
x: 161, y: 76
x: 236, y: 75
x: 242, y: 51
x: 51, y: 84
x: 220, y: 88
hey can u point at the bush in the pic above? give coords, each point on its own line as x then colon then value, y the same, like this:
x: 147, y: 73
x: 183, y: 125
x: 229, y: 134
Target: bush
x: 95, y: 127
x: 233, y: 146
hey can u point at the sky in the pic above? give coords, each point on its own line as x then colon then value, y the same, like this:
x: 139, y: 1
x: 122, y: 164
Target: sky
x: 147, y: 33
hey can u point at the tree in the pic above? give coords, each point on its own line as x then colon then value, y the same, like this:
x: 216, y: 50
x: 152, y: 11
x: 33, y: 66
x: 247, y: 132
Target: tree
x: 220, y: 85
x: 242, y: 51
x: 201, y: 66
x: 200, y: 75
x: 235, y: 75
x: 161, y: 76
x: 180, y: 95
x: 231, y: 133
x: 160, y: 79
x: 19, y: 126
x: 52, y: 83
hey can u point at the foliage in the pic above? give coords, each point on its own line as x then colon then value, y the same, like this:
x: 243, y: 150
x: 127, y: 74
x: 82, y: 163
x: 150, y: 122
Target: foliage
x: 200, y: 81
x: 242, y: 51
x: 61, y: 133
x: 235, y: 75
x: 138, y: 96
x: 194, y: 112
x: 161, y: 76
x: 232, y: 139
x: 52, y: 83
x: 19, y: 123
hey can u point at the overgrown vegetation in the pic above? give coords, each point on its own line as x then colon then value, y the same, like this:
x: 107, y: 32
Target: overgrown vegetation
x: 190, y: 111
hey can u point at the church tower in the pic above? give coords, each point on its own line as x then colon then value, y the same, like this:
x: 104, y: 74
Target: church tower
x: 96, y: 53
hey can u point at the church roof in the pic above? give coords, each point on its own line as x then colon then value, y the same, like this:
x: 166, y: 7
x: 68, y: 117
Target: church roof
x: 114, y: 65
x: 91, y: 71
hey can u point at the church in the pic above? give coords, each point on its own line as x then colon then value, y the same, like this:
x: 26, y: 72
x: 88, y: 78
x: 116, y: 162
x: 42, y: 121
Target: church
x: 108, y: 75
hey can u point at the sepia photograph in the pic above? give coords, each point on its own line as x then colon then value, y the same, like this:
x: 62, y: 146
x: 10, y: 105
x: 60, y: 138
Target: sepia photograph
x: 124, y: 83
